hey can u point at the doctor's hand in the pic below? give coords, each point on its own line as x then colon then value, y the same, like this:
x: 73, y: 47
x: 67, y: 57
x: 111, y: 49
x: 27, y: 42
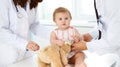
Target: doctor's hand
x: 32, y: 46
x: 87, y: 37
x: 81, y: 45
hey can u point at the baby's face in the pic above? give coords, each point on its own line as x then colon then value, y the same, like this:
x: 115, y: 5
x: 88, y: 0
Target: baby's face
x: 62, y: 20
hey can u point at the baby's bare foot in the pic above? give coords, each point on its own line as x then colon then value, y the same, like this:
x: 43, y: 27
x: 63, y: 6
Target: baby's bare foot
x: 68, y: 65
x: 83, y: 65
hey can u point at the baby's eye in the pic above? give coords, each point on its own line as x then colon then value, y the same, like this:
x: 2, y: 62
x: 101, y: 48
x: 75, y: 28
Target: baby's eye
x: 66, y: 18
x: 60, y: 18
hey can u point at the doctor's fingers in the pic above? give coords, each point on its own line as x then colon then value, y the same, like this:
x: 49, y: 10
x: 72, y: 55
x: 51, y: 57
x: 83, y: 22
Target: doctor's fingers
x: 79, y: 46
x: 33, y: 46
x: 74, y: 46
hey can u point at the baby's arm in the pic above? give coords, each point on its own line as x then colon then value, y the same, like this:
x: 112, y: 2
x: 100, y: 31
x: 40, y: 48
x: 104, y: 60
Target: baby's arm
x: 77, y: 37
x: 54, y: 40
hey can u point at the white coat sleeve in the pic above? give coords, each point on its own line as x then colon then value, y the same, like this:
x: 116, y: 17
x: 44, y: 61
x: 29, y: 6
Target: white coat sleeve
x: 7, y: 36
x: 98, y: 46
x: 105, y: 44
x: 108, y: 44
x: 110, y: 14
x: 94, y: 33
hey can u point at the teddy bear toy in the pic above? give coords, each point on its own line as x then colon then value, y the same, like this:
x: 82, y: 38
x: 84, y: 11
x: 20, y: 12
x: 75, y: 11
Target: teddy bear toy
x: 54, y: 56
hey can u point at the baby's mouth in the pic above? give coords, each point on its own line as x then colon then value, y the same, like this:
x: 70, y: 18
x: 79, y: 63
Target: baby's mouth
x: 63, y: 24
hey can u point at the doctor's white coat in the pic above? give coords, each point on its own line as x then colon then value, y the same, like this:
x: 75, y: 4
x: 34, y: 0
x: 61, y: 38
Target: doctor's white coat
x: 15, y: 29
x: 110, y: 41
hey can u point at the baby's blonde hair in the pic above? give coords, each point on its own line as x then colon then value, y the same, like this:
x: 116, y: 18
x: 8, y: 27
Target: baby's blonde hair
x: 61, y: 10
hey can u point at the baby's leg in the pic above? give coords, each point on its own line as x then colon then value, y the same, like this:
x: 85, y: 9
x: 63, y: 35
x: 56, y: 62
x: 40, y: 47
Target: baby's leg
x: 68, y: 65
x: 83, y: 65
x: 79, y: 59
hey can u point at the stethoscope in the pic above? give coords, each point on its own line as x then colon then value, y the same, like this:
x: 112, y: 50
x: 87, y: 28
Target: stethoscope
x: 101, y: 24
x: 19, y: 14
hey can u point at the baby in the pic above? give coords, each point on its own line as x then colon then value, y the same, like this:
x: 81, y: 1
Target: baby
x: 64, y: 33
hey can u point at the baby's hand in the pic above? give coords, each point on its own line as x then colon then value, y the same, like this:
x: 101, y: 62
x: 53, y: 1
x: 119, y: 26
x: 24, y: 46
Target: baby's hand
x: 60, y: 43
x: 76, y: 39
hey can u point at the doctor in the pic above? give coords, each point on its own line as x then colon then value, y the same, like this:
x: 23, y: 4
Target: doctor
x: 109, y: 12
x: 18, y: 19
